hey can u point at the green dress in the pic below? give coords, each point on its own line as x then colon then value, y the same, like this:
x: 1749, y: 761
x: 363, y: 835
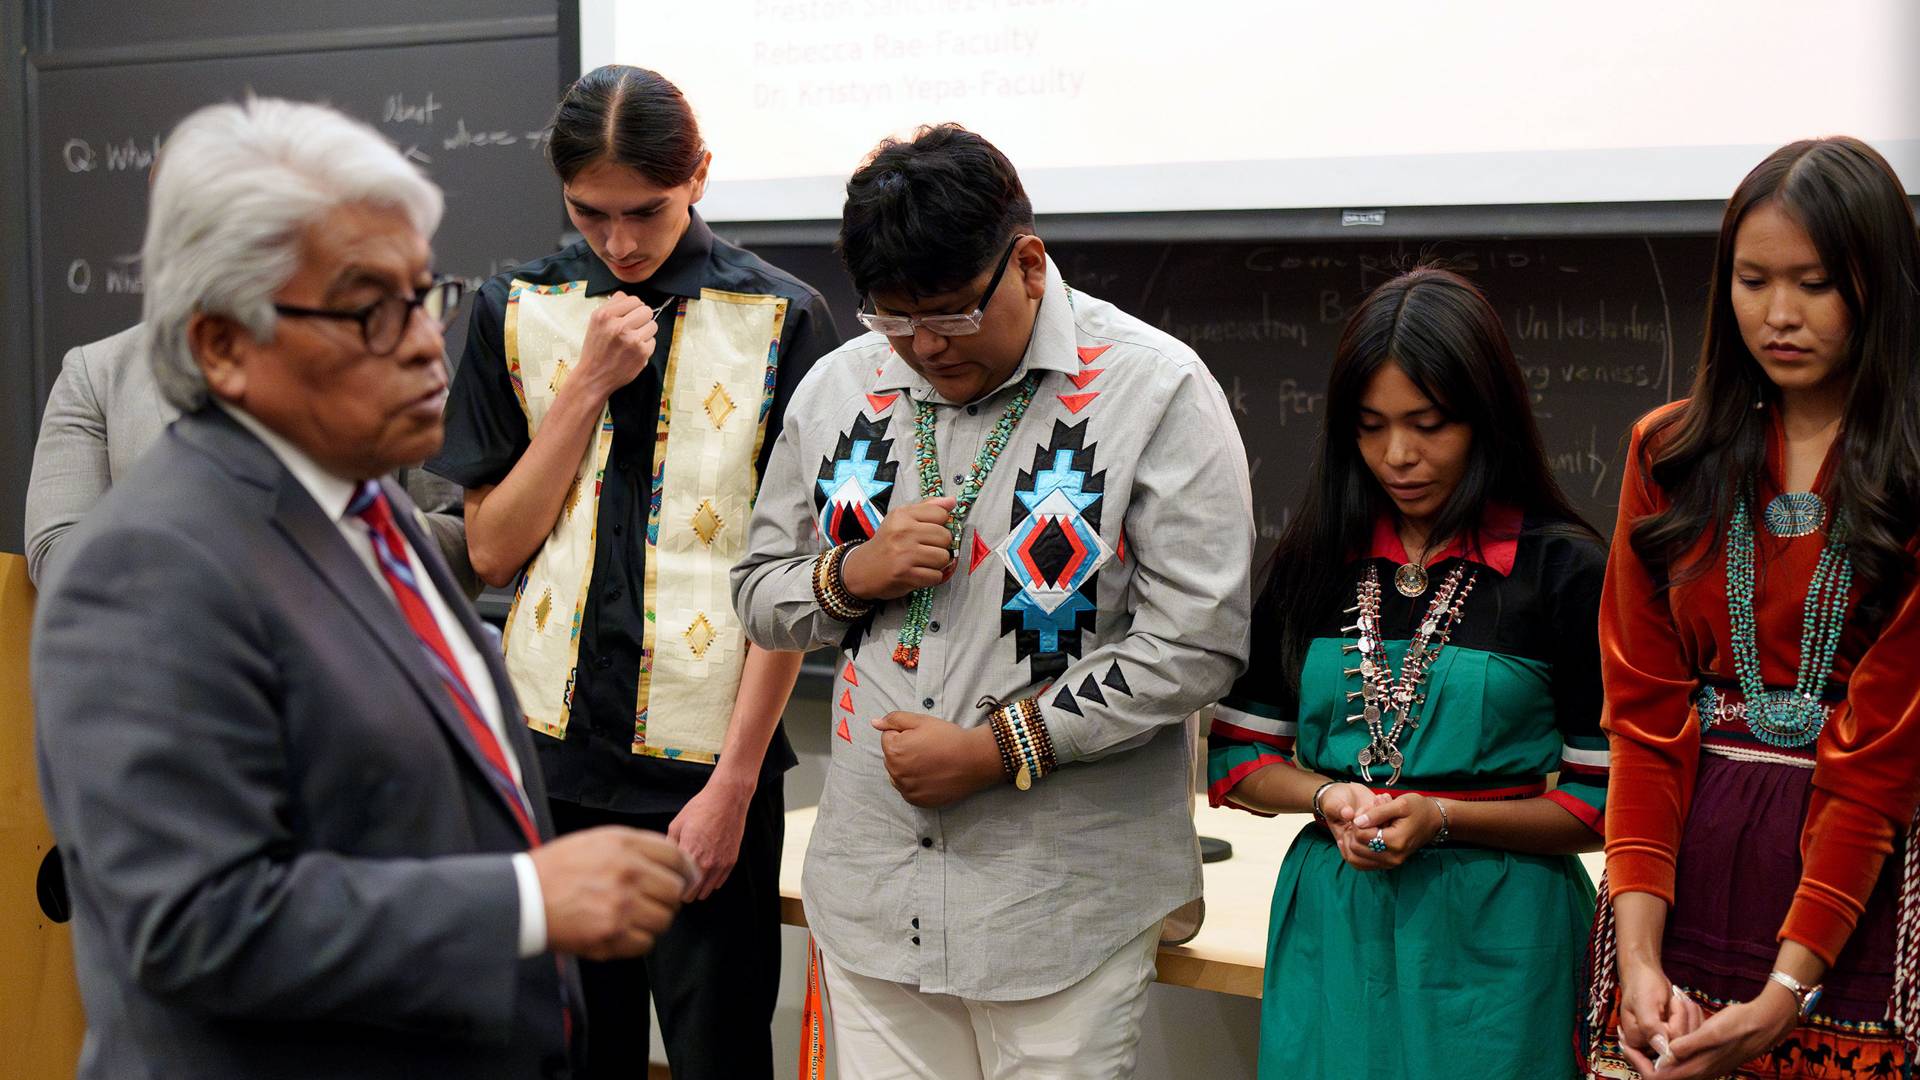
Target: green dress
x: 1463, y: 961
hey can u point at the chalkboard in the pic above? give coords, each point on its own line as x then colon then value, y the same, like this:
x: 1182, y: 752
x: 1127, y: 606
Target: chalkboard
x: 473, y: 113
x: 116, y: 24
x: 1605, y: 329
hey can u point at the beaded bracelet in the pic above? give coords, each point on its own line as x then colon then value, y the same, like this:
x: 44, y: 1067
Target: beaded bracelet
x: 1042, y: 736
x: 1026, y: 747
x: 1003, y: 741
x: 830, y: 589
x: 1028, y: 752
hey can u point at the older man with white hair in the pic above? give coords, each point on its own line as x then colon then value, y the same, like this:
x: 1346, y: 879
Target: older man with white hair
x: 301, y: 836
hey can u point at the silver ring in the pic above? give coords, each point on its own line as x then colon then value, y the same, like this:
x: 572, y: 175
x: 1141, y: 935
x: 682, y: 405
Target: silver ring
x: 1376, y: 844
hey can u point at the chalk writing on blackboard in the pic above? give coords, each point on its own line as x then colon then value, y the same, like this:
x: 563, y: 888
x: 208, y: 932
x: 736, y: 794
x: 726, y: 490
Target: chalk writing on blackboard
x: 128, y: 154
x: 398, y: 110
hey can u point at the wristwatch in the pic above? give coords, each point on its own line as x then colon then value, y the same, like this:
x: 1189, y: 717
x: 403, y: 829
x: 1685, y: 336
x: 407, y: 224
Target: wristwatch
x: 1804, y: 996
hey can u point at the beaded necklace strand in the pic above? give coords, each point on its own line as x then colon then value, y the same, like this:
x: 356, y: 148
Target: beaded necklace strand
x: 906, y: 651
x: 1788, y: 718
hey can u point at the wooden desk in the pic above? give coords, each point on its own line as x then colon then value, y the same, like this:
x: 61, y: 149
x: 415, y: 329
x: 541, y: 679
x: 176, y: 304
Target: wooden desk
x: 1229, y: 955
x: 40, y: 1019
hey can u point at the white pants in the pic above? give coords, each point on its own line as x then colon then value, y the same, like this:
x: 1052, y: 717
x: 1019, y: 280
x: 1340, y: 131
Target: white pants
x: 891, y: 1031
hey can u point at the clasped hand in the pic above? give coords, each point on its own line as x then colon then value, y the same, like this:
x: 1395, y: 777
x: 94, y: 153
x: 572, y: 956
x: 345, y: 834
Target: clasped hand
x: 1666, y: 1035
x: 933, y: 762
x: 1356, y: 815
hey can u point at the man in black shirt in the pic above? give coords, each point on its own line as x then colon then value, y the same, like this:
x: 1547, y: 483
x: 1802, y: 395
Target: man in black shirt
x: 609, y: 420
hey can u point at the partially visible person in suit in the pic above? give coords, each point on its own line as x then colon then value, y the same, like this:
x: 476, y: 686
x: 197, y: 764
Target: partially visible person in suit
x: 105, y: 411
x: 301, y: 841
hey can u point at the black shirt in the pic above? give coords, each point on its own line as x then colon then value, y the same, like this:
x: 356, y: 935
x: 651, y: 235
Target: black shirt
x: 487, y: 432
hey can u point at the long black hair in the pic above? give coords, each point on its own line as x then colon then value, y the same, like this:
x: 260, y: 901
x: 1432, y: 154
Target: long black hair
x: 1847, y: 198
x: 629, y: 116
x: 1439, y: 329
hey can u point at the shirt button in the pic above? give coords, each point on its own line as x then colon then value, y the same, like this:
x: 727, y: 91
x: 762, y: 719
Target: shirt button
x: 926, y: 703
x: 613, y: 593
x: 616, y: 529
x: 926, y: 841
x: 603, y: 663
x: 916, y: 939
x: 959, y: 478
x: 934, y: 627
x: 973, y: 410
x: 916, y: 924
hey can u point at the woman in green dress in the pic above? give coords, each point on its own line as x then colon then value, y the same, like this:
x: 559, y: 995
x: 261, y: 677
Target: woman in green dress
x: 1423, y: 657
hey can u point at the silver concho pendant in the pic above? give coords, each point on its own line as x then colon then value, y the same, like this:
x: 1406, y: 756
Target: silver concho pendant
x: 1410, y: 580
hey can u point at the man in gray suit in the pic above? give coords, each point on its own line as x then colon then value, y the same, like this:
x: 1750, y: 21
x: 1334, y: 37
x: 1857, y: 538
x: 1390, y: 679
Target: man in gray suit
x: 104, y: 412
x: 301, y: 824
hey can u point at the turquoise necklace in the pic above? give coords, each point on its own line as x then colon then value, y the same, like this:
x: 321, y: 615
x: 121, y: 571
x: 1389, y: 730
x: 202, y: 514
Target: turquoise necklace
x: 1787, y: 718
x: 906, y: 652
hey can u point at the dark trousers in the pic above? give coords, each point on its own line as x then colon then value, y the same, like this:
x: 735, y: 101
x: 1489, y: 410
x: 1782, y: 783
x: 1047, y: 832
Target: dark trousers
x: 714, y: 975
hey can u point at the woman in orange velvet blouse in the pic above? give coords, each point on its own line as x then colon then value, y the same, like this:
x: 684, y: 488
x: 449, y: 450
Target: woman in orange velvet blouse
x: 1760, y: 649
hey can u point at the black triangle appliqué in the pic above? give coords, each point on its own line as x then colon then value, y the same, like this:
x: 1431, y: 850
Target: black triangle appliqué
x: 1115, y: 680
x: 1064, y: 700
x: 1091, y: 691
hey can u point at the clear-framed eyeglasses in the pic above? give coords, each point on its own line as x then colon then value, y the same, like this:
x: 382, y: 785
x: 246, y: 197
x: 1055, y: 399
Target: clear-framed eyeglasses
x: 943, y: 325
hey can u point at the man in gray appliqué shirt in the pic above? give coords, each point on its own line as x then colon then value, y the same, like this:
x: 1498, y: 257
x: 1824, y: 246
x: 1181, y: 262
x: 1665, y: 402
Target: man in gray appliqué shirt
x: 1023, y: 516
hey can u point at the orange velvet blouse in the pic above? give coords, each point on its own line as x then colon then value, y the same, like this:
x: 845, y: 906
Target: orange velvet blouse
x: 1655, y: 650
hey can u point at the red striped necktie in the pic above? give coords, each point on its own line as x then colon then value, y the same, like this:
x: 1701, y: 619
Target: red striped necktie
x: 390, y: 553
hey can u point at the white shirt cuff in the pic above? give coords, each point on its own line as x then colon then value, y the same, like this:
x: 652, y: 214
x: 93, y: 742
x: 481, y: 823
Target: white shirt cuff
x: 533, y: 907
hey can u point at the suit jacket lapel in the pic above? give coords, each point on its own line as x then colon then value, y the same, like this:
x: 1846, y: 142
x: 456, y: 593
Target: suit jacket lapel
x: 317, y: 537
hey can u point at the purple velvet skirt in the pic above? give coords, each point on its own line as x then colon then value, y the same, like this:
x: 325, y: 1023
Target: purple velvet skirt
x: 1739, y: 864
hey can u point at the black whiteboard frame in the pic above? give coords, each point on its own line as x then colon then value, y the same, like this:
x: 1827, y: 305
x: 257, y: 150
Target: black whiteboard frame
x: 1690, y: 218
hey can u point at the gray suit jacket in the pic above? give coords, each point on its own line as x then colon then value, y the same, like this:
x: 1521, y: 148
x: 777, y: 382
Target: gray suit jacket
x: 105, y: 410
x: 284, y: 856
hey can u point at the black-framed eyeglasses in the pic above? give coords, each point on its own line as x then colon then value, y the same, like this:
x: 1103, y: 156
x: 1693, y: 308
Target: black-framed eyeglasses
x: 383, y: 323
x: 943, y: 325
